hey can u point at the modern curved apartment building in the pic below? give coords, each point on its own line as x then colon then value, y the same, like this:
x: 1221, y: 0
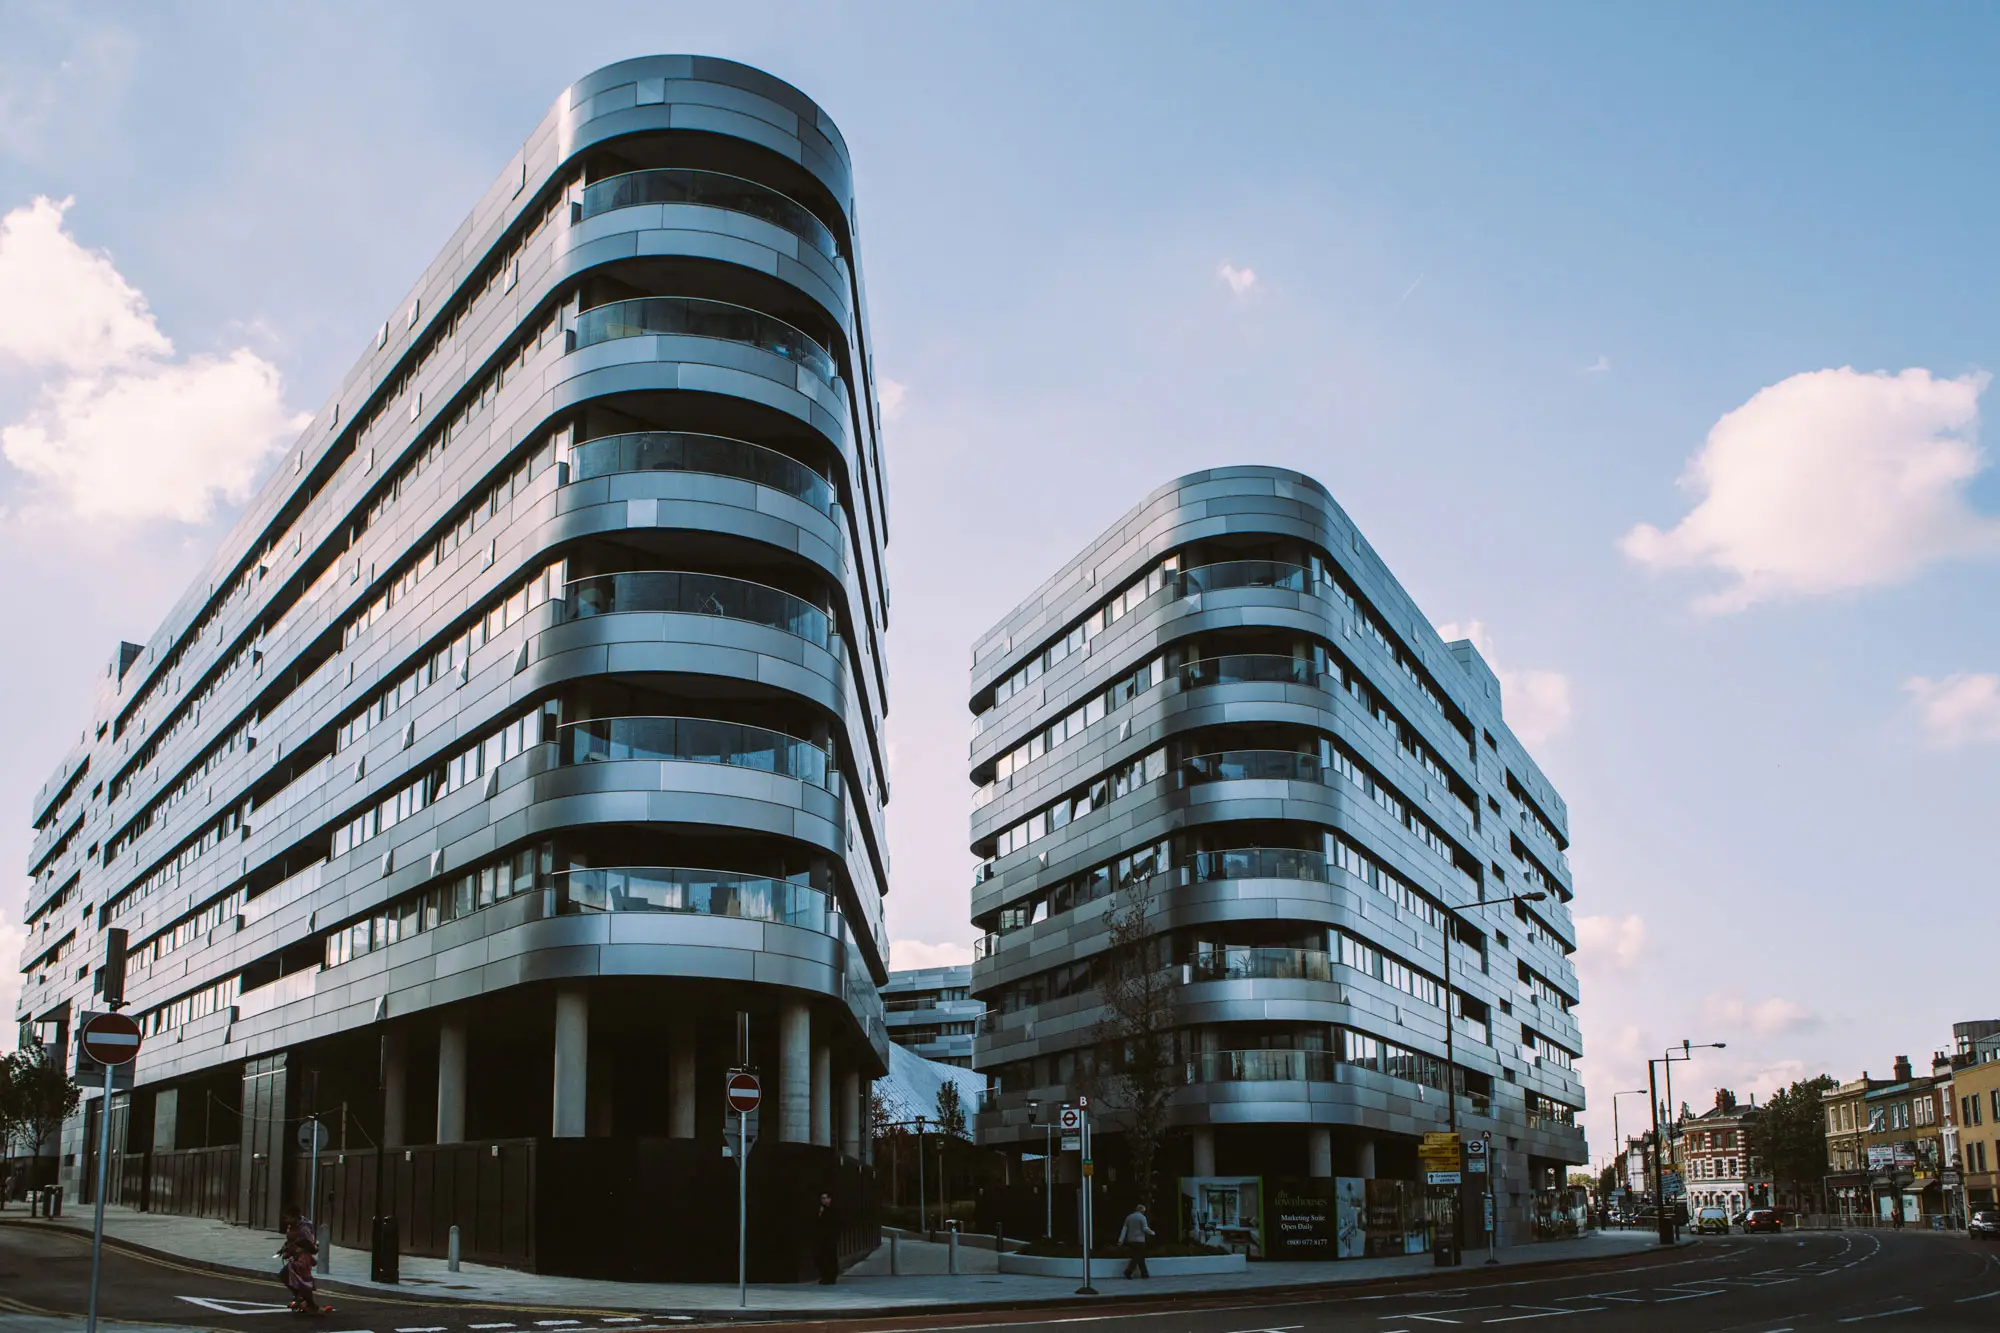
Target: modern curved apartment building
x: 526, y: 730
x: 1228, y: 708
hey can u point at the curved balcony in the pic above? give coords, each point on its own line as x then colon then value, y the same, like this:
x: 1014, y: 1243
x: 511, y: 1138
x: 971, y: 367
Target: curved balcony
x: 1255, y: 863
x: 695, y: 892
x: 1248, y: 669
x: 1252, y: 964
x: 1252, y: 765
x: 697, y: 740
x: 715, y: 455
x: 711, y: 189
x: 694, y: 317
x: 688, y: 593
x: 1261, y: 1067
x: 1246, y: 574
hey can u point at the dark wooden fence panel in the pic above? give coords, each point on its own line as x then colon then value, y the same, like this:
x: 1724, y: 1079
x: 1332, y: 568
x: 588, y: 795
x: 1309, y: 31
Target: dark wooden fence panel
x: 193, y: 1182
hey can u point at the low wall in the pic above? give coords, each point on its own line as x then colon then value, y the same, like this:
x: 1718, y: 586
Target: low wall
x: 1113, y: 1265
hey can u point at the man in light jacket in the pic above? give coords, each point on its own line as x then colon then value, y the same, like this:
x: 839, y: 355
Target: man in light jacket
x: 1135, y: 1233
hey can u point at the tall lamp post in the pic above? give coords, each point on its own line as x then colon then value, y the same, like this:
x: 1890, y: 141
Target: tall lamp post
x: 1618, y: 1139
x: 1451, y: 1052
x: 1686, y: 1052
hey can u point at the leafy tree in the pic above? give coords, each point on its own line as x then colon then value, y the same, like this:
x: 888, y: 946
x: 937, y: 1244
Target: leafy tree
x: 950, y: 1110
x: 1141, y: 1000
x: 1788, y: 1135
x: 36, y: 1096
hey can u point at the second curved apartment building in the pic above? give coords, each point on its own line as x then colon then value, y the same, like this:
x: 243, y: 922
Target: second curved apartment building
x: 524, y: 733
x: 1226, y: 708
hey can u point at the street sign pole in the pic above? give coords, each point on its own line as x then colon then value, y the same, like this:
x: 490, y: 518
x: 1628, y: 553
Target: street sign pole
x: 745, y: 1093
x: 112, y: 1040
x: 1086, y: 1197
x: 97, y: 1231
x: 1492, y: 1217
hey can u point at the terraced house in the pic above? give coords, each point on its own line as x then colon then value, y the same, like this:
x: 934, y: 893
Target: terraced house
x: 525, y: 731
x: 1228, y: 710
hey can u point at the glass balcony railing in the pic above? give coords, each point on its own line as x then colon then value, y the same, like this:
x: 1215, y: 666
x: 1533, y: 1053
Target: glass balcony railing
x: 696, y: 892
x: 1255, y: 863
x: 1261, y: 1067
x: 1248, y: 668
x: 1261, y: 964
x: 694, y: 317
x: 1245, y: 574
x: 695, y: 594
x: 711, y: 189
x: 716, y: 455
x: 697, y: 740
x: 1252, y: 765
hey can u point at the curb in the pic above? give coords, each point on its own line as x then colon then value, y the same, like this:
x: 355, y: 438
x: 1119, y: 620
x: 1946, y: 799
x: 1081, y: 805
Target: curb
x: 1469, y: 1275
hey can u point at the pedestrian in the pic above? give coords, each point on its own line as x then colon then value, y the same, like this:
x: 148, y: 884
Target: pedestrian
x: 826, y: 1240
x: 1135, y: 1233
x: 297, y: 1257
x: 6, y: 1183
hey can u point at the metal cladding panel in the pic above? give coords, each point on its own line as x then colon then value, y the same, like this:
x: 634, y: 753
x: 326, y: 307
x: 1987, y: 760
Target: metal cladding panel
x: 1427, y: 773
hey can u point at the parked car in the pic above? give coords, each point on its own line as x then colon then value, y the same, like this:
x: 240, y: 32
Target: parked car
x: 1763, y: 1219
x: 1711, y: 1221
x: 1985, y: 1224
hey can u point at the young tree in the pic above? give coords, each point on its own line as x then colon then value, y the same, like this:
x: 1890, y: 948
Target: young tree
x: 1788, y: 1136
x: 950, y: 1110
x: 1141, y: 1001
x: 36, y: 1096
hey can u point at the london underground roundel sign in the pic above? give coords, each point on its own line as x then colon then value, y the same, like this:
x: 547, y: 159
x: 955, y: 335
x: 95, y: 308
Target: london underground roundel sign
x: 111, y: 1039
x: 745, y: 1092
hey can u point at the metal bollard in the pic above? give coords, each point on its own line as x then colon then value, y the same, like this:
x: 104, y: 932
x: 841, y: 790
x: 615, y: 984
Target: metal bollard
x: 451, y: 1251
x: 951, y: 1252
x: 895, y: 1257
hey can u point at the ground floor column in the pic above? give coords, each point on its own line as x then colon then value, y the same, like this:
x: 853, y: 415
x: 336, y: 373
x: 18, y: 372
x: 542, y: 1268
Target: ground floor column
x: 395, y: 1087
x: 822, y: 1094
x: 1319, y: 1152
x: 795, y: 1073
x: 1364, y: 1159
x: 850, y: 1114
x: 681, y: 1076
x: 1204, y: 1151
x: 451, y: 1079
x: 568, y: 1118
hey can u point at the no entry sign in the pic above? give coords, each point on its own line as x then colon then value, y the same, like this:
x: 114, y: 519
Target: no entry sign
x: 745, y: 1092
x: 111, y: 1039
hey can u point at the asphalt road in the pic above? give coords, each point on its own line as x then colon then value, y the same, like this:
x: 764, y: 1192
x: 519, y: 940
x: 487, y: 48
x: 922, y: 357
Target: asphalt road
x: 1743, y: 1284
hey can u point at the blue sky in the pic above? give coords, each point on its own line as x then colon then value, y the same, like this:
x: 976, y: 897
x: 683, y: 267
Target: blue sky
x: 1501, y: 279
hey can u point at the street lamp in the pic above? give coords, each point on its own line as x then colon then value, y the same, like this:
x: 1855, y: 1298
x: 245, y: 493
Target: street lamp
x: 1686, y: 1052
x: 1451, y: 1053
x: 1048, y: 1178
x: 1618, y: 1139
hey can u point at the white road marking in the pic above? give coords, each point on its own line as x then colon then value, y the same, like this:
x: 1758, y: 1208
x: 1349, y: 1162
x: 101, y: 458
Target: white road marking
x: 1686, y: 1295
x: 1544, y: 1314
x: 620, y: 1319
x: 428, y: 1328
x: 1982, y: 1296
x: 1857, y: 1318
x: 484, y: 1326
x: 222, y: 1305
x: 558, y: 1323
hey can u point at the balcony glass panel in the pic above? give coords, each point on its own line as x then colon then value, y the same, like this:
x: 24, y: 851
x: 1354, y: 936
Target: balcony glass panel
x: 700, y: 741
x: 699, y: 595
x: 696, y: 318
x: 1261, y: 1067
x: 1255, y: 863
x: 1248, y: 668
x: 698, y: 892
x: 1245, y: 574
x: 717, y: 455
x: 1252, y: 765
x: 1248, y: 964
x: 711, y: 189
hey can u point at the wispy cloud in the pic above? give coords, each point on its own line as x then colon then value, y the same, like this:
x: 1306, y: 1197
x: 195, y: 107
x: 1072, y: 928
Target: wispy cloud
x: 1240, y: 280
x: 1615, y: 943
x: 1961, y: 709
x: 1601, y: 366
x: 1826, y: 482
x: 891, y: 395
x: 1410, y: 291
x: 1536, y: 702
x: 908, y: 954
x: 1766, y: 1018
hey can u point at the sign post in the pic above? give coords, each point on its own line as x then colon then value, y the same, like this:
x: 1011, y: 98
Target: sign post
x: 1483, y: 1163
x: 1440, y: 1156
x: 111, y: 1040
x: 745, y: 1093
x: 1083, y: 1196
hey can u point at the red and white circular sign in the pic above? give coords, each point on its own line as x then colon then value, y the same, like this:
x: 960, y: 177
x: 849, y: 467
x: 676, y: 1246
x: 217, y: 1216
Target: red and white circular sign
x: 745, y: 1092
x: 111, y: 1039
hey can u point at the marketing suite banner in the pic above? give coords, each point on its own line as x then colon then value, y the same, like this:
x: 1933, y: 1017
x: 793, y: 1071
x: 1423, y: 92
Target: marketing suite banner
x: 1224, y: 1210
x: 1341, y: 1218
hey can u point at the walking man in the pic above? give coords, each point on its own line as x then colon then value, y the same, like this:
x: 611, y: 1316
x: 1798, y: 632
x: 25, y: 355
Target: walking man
x: 1135, y: 1233
x: 826, y: 1241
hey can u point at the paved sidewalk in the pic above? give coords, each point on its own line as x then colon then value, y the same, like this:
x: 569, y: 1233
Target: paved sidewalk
x: 865, y: 1288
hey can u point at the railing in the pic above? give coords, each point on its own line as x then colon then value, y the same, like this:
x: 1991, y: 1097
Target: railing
x: 1245, y: 574
x: 712, y: 189
x: 699, y: 595
x: 1247, y: 964
x: 1256, y: 863
x: 717, y: 455
x: 1261, y: 1067
x: 1248, y: 668
x: 985, y: 946
x: 697, y: 740
x: 295, y: 986
x: 1252, y: 765
x: 695, y: 317
x: 694, y: 892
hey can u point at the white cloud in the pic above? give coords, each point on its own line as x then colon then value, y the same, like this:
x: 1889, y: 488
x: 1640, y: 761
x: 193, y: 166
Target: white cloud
x: 120, y: 429
x: 890, y: 395
x: 12, y: 940
x: 1614, y: 941
x: 908, y: 954
x: 1829, y: 481
x: 1601, y: 366
x: 1767, y: 1018
x: 1536, y: 703
x: 1240, y: 280
x: 1961, y: 709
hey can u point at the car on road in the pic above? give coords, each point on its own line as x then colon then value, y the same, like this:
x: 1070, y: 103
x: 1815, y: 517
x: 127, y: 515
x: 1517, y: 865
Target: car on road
x: 1984, y: 1224
x: 1711, y: 1221
x: 1763, y: 1219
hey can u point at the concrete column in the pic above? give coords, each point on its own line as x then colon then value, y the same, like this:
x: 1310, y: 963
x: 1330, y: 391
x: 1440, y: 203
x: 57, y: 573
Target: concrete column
x: 795, y: 1073
x: 451, y: 1079
x: 1204, y: 1151
x: 822, y: 1095
x: 166, y: 1116
x: 1364, y: 1159
x: 852, y: 1112
x: 864, y: 1122
x: 1319, y: 1152
x: 395, y: 1087
x: 572, y: 1081
x: 681, y: 1076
